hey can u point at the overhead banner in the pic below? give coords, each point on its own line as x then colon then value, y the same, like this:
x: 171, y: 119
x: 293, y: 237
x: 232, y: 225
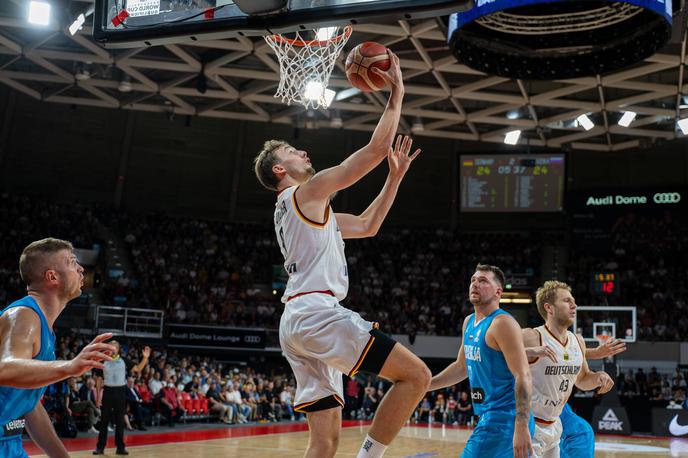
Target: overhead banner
x: 670, y: 422
x: 211, y: 337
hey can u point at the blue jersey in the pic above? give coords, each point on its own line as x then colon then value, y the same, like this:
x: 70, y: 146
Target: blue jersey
x: 14, y: 402
x: 492, y: 384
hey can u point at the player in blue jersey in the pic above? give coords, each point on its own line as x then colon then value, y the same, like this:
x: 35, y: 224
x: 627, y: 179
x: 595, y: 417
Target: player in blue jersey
x: 577, y: 437
x: 494, y: 359
x: 27, y: 346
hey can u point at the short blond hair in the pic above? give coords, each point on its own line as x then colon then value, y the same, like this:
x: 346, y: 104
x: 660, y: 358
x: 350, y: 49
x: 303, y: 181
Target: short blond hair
x: 547, y: 294
x: 264, y: 162
x: 33, y: 260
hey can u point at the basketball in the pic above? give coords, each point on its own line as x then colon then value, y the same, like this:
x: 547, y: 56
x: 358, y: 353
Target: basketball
x: 360, y: 62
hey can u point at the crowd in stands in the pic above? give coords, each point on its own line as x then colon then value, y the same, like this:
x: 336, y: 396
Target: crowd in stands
x: 176, y: 387
x: 648, y: 253
x: 412, y: 281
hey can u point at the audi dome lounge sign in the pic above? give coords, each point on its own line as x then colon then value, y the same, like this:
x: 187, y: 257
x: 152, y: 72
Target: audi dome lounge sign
x: 192, y: 336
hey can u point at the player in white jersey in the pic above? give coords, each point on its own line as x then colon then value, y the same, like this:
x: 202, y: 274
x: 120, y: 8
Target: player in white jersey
x: 321, y: 339
x: 562, y: 365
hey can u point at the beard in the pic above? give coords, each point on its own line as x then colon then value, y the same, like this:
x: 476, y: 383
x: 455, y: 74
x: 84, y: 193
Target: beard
x: 565, y: 321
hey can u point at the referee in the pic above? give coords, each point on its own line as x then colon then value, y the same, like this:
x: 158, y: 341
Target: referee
x: 113, y: 402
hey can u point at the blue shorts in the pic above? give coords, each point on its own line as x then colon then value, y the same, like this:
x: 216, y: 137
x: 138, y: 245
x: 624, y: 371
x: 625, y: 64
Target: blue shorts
x: 494, y: 436
x: 577, y: 437
x: 12, y: 448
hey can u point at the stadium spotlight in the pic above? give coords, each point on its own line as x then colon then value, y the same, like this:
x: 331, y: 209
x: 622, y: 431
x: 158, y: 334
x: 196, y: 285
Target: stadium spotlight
x: 39, y: 12
x: 584, y: 121
x: 77, y: 24
x: 511, y: 138
x: 683, y: 125
x: 627, y: 118
x: 316, y: 91
x: 417, y: 125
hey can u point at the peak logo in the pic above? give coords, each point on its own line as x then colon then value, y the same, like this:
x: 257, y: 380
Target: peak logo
x: 610, y: 422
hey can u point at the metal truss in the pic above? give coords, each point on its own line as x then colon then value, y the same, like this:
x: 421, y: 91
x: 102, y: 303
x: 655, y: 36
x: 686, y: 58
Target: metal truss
x: 238, y: 78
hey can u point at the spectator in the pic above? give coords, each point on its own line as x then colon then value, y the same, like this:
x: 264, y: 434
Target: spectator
x: 74, y: 404
x: 465, y: 408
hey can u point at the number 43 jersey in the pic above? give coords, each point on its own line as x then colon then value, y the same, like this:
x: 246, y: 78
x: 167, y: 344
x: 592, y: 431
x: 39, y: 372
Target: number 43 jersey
x: 313, y: 251
x: 553, y: 382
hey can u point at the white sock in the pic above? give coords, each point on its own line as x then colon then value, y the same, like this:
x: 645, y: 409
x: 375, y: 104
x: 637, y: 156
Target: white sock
x: 371, y: 448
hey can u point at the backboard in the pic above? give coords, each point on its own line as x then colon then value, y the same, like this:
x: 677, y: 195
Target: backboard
x: 137, y: 23
x: 596, y: 323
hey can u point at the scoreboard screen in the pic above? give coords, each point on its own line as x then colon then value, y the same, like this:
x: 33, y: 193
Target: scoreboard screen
x: 512, y: 183
x: 605, y: 284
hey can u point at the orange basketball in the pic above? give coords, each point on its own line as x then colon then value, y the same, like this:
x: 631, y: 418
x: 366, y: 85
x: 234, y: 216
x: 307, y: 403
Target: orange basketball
x: 360, y: 62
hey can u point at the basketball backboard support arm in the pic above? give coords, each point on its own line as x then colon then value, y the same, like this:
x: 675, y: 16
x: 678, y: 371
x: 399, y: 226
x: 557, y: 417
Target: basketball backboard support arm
x: 116, y: 28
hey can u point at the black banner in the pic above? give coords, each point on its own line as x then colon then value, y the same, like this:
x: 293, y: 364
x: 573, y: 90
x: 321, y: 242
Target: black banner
x: 612, y: 420
x: 670, y: 422
x: 180, y: 335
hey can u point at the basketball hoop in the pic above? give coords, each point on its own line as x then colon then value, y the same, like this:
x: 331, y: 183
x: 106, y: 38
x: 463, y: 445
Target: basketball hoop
x: 603, y: 338
x: 306, y: 65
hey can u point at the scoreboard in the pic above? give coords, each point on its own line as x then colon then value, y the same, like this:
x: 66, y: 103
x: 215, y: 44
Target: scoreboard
x: 512, y: 183
x: 605, y: 283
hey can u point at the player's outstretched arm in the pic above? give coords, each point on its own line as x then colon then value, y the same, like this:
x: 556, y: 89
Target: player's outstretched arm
x: 360, y: 163
x: 41, y: 430
x: 20, y: 334
x: 609, y: 348
x: 509, y: 338
x: 588, y: 380
x: 368, y: 223
x: 454, y: 373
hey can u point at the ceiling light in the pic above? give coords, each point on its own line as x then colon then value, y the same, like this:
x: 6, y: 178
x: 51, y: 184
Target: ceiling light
x: 511, y: 138
x: 125, y: 84
x: 77, y: 24
x: 39, y: 12
x: 513, y: 114
x: 683, y: 125
x: 627, y: 118
x: 417, y: 125
x: 584, y: 121
x: 325, y: 33
x: 316, y: 91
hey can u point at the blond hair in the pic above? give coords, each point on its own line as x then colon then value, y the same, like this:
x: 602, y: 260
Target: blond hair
x: 33, y: 261
x: 264, y: 162
x: 547, y: 294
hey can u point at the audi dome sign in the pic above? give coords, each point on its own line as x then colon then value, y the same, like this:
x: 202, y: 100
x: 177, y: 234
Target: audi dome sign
x: 634, y: 199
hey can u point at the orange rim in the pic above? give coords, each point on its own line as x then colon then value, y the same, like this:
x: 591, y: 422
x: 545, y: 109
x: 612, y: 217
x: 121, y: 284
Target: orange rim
x: 314, y: 43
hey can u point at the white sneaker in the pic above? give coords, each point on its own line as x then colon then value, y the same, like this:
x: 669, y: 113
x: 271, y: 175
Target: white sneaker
x: 111, y: 429
x: 93, y: 430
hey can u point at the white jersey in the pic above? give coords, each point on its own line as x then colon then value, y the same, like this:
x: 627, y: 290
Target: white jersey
x: 313, y: 252
x: 553, y: 382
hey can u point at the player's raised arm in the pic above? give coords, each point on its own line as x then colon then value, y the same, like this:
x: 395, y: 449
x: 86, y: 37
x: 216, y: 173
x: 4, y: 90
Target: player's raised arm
x: 360, y: 163
x: 455, y: 372
x: 368, y: 223
x: 509, y: 338
x: 589, y: 380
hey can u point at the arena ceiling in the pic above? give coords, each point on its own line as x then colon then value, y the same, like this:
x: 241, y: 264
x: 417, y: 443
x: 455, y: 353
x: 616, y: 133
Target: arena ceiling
x: 444, y: 99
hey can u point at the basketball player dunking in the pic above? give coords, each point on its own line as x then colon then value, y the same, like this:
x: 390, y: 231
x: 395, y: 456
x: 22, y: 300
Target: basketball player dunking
x: 320, y: 338
x: 493, y: 357
x: 27, y: 346
x: 563, y: 366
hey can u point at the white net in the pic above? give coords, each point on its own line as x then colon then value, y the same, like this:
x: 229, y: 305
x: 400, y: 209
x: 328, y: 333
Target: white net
x: 306, y: 65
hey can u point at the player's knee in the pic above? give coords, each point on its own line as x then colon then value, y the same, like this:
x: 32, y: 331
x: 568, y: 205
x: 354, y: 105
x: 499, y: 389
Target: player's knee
x: 420, y: 377
x: 324, y: 445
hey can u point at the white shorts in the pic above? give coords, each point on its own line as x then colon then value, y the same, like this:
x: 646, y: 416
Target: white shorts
x: 323, y: 340
x: 546, y: 439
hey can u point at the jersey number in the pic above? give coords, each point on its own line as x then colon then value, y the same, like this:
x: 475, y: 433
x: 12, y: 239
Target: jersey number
x: 564, y: 387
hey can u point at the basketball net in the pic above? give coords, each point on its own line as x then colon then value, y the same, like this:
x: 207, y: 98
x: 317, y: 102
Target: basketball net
x: 603, y: 338
x: 306, y: 65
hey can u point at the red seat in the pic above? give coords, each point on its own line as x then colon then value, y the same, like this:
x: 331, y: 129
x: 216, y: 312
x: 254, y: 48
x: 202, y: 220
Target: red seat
x: 188, y: 406
x: 204, y: 407
x: 197, y: 406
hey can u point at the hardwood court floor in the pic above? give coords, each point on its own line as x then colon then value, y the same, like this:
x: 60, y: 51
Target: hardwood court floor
x: 289, y: 441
